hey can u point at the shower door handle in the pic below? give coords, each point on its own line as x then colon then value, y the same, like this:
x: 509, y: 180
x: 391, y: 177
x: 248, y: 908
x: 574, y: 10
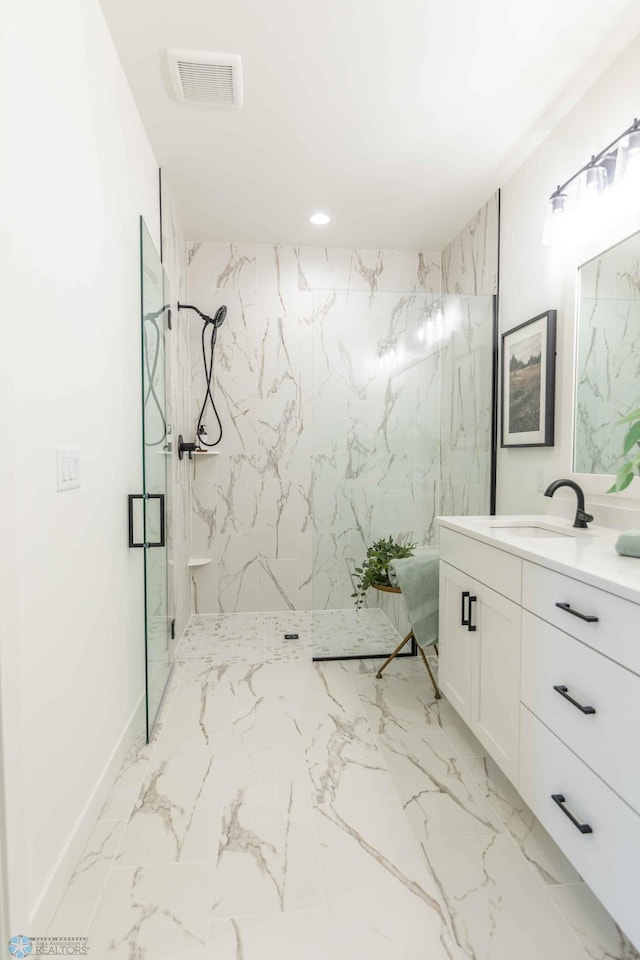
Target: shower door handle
x: 145, y: 497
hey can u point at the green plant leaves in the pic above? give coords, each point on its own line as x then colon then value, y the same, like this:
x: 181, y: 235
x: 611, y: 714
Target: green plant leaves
x: 625, y: 475
x: 630, y: 417
x: 375, y: 568
x: 628, y: 470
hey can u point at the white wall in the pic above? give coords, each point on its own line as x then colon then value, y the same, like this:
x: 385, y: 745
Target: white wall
x: 81, y: 170
x: 534, y: 278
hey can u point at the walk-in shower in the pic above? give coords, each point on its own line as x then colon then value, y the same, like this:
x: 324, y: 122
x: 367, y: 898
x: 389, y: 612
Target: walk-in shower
x: 357, y: 402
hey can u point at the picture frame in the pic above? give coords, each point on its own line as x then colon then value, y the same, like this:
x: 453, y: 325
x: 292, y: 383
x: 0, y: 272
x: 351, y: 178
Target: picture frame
x: 528, y: 381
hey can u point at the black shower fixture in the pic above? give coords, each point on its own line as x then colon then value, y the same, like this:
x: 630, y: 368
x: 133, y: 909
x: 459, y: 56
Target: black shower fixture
x: 215, y: 323
x: 216, y: 320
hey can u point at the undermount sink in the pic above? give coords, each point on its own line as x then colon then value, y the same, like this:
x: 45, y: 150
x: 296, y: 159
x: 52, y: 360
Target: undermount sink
x: 532, y: 532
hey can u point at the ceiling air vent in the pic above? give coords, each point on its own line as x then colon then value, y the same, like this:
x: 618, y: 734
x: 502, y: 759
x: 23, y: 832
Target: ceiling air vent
x: 206, y: 78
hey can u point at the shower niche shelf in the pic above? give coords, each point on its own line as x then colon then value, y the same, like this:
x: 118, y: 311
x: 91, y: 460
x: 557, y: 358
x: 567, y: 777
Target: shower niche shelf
x: 198, y: 562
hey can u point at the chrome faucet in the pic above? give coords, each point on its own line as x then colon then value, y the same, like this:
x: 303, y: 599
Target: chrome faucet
x: 582, y: 518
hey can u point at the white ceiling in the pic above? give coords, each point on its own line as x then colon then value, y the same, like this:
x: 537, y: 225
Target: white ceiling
x: 397, y: 117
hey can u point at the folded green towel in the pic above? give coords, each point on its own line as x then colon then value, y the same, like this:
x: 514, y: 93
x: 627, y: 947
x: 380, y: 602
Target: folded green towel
x: 418, y: 579
x: 628, y: 543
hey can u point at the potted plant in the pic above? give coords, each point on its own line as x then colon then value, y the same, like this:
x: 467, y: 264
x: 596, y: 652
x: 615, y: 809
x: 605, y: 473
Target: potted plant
x: 631, y: 449
x: 375, y: 567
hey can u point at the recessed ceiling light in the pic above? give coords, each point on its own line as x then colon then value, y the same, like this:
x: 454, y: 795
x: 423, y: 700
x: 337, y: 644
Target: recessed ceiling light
x: 319, y: 219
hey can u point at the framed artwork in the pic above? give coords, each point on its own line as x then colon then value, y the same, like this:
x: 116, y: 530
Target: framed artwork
x: 529, y: 382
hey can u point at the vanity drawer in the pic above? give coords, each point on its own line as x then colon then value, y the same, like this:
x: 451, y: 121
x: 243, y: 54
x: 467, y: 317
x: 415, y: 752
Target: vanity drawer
x: 607, y: 739
x: 616, y: 628
x: 609, y: 857
x: 495, y: 568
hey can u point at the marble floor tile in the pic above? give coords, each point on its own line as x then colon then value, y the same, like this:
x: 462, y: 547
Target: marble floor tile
x: 200, y: 715
x: 464, y: 742
x: 381, y: 897
x: 344, y: 633
x: 600, y: 936
x: 266, y: 730
x: 499, y: 908
x: 77, y: 907
x: 268, y: 857
x: 343, y: 760
x: 177, y: 814
x: 169, y: 693
x: 536, y: 845
x: 391, y: 704
x: 324, y: 688
x: 209, y: 670
x: 289, y: 808
x: 286, y: 936
x: 159, y: 912
x: 439, y: 797
x: 267, y: 679
x: 126, y: 787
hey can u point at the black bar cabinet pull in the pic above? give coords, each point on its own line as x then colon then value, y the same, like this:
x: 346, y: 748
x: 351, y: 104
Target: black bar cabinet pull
x: 576, y: 613
x: 464, y: 620
x: 564, y: 692
x: 560, y: 800
x: 471, y: 626
x: 147, y: 496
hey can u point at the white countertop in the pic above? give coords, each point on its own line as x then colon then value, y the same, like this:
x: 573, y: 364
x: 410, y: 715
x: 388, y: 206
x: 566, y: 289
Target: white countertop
x: 588, y: 555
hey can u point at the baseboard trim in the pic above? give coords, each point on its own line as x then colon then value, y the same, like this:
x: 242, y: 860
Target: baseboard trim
x: 47, y: 904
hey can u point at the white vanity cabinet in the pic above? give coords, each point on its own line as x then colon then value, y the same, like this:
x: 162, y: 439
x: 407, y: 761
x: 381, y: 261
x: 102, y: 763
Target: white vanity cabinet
x: 549, y: 681
x: 479, y: 666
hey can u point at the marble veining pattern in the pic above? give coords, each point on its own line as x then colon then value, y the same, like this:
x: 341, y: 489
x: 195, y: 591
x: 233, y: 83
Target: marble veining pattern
x: 293, y: 808
x: 352, y: 409
x: 323, y: 446
x: 608, y: 386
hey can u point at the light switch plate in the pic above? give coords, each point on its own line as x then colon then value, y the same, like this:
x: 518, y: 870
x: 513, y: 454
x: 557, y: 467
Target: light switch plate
x: 68, y: 467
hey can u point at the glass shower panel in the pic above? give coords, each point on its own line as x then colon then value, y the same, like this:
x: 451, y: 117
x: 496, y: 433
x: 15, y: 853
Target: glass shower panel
x: 156, y: 297
x: 400, y: 403
x: 467, y: 409
x: 374, y: 470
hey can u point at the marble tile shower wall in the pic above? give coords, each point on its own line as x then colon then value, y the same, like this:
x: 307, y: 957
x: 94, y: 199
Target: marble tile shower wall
x: 174, y: 256
x: 469, y: 285
x: 288, y: 498
x: 608, y: 361
x: 470, y: 261
x: 374, y: 410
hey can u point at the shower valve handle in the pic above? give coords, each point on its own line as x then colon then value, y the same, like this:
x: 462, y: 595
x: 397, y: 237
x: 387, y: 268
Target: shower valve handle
x: 185, y: 448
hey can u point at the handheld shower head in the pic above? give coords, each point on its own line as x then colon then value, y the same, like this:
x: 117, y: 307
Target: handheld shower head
x: 219, y: 317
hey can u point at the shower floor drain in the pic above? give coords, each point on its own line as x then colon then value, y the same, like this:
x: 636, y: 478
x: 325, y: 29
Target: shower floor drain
x: 291, y: 636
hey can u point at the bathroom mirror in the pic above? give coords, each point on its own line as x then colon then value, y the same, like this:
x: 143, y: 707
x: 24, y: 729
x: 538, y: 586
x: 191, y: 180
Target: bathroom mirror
x: 607, y: 356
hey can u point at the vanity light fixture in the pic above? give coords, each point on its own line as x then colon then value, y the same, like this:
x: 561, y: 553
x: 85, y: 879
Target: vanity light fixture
x: 319, y: 219
x: 604, y: 169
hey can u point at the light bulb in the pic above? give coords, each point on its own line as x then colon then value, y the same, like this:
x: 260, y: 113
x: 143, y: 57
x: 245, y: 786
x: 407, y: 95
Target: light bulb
x: 319, y: 219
